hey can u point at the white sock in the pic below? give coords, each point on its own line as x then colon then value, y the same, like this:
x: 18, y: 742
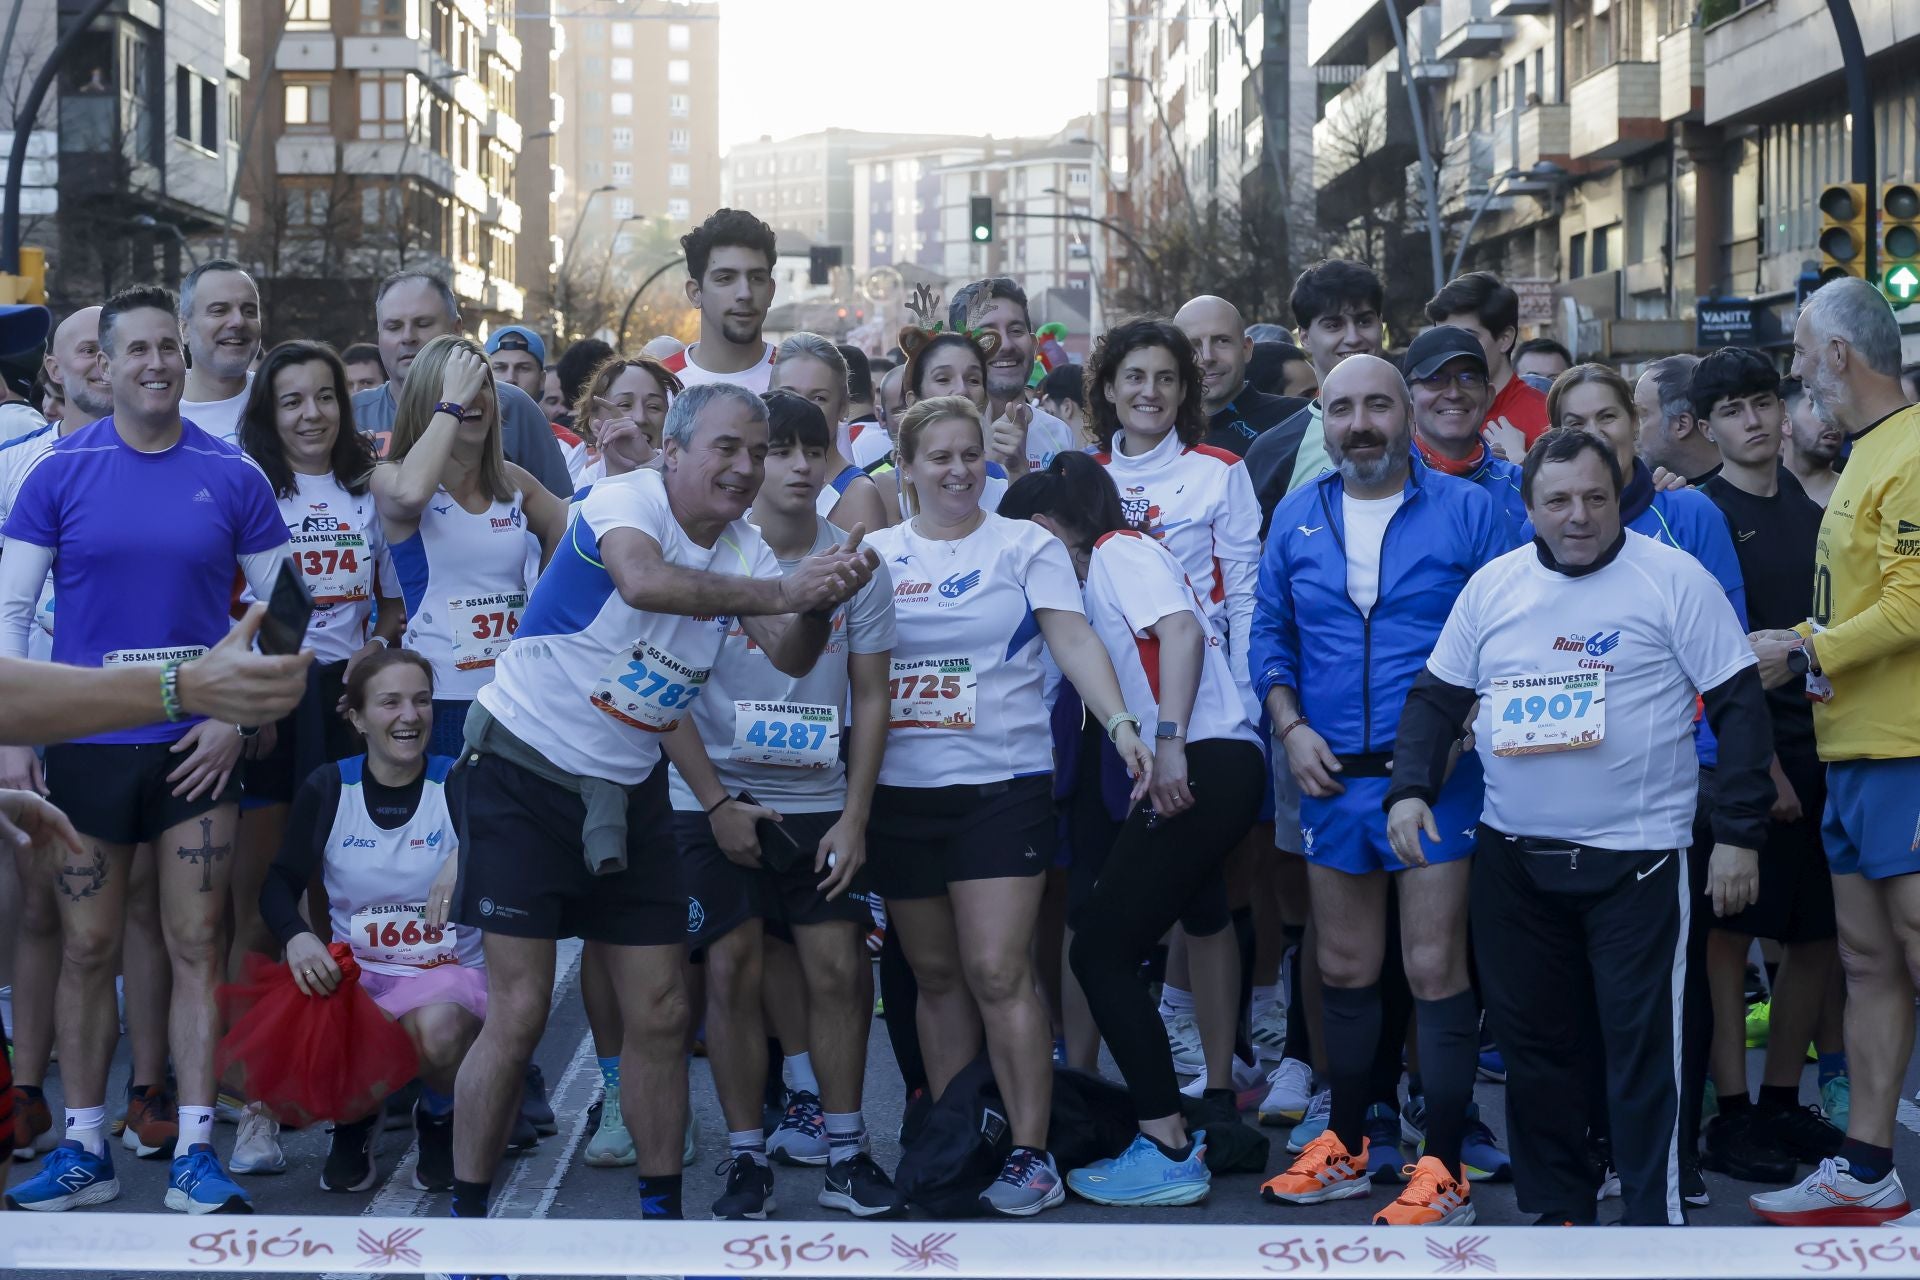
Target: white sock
x: 88, y: 1127
x: 797, y: 1074
x: 1264, y: 998
x: 196, y: 1126
x: 846, y: 1135
x: 1173, y: 1000
x: 749, y: 1143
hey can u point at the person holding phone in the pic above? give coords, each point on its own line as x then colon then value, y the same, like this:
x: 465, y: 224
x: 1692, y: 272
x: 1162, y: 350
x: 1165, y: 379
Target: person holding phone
x: 144, y: 520
x: 457, y: 517
x: 381, y: 830
x: 770, y: 816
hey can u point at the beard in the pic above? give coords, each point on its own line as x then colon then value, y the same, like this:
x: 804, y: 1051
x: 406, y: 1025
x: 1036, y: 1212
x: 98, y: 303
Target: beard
x: 741, y: 332
x: 1373, y: 471
x: 94, y: 406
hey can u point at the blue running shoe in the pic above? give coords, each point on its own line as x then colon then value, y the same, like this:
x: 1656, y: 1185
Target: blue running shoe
x: 1493, y: 1064
x: 1143, y: 1175
x: 1413, y: 1121
x: 1313, y: 1124
x: 1481, y: 1158
x: 1384, y: 1157
x: 69, y: 1178
x: 199, y: 1185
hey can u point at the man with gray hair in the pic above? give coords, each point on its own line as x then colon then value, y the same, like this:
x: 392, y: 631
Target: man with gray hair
x: 220, y: 323
x: 1670, y: 435
x: 1860, y: 657
x: 568, y: 829
x: 411, y: 309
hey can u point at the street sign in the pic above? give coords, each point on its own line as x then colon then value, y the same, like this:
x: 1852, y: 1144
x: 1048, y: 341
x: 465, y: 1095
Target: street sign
x: 1901, y: 284
x: 1723, y: 322
x: 1536, y: 300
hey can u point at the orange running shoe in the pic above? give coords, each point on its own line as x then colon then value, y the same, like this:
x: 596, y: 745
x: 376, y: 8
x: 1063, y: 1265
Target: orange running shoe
x: 33, y: 1133
x: 1433, y: 1198
x: 152, y: 1124
x: 1326, y: 1170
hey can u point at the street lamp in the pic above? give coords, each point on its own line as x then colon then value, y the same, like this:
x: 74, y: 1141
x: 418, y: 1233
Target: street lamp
x: 1541, y: 179
x: 579, y: 221
x: 1179, y: 162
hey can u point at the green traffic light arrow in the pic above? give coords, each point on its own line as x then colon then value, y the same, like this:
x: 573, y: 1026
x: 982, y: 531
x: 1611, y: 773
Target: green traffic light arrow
x: 1902, y: 282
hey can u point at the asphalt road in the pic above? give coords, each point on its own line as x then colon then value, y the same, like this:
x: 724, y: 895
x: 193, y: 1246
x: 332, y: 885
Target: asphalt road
x: 551, y: 1182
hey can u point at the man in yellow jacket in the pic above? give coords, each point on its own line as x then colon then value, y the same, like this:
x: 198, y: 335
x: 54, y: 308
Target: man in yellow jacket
x: 1859, y: 653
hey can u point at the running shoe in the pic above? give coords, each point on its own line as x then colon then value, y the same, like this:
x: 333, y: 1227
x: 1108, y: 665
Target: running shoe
x: 433, y: 1167
x: 350, y: 1164
x: 1413, y: 1122
x: 256, y: 1147
x: 1759, y: 1019
x: 228, y: 1107
x: 802, y: 1135
x: 522, y: 1138
x: 1693, y: 1187
x: 1832, y: 1197
x: 1493, y: 1064
x: 1383, y: 1141
x: 1481, y: 1158
x: 1740, y: 1148
x: 1268, y: 1032
x: 533, y: 1103
x: 1754, y: 984
x: 1606, y: 1178
x: 1836, y: 1099
x: 749, y: 1193
x: 1183, y: 1039
x: 1326, y: 1170
x: 1289, y: 1090
x: 859, y: 1186
x: 1144, y: 1175
x: 1804, y: 1133
x: 1909, y: 1221
x: 1248, y: 1079
x: 1313, y: 1124
x: 153, y: 1126
x: 611, y: 1146
x: 1433, y: 1198
x: 199, y: 1185
x: 69, y: 1178
x: 1029, y: 1182
x: 33, y: 1133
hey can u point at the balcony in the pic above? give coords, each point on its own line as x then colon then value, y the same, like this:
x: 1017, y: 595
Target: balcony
x: 369, y: 158
x: 470, y: 189
x: 1541, y: 132
x: 1424, y: 26
x: 306, y: 155
x: 505, y: 296
x: 1466, y: 170
x: 1350, y: 31
x: 1364, y: 142
x: 1767, y: 52
x: 1522, y: 8
x: 498, y: 124
x: 1616, y: 112
x: 1682, y: 75
x: 385, y: 53
x: 470, y: 95
x: 470, y: 282
x: 307, y: 51
x: 502, y: 211
x: 1468, y: 29
x: 503, y: 44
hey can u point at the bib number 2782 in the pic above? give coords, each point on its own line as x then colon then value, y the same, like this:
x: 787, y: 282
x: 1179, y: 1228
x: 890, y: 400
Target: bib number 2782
x: 648, y: 688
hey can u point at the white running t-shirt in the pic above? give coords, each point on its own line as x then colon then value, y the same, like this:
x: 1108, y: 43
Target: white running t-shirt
x: 219, y: 418
x: 755, y: 378
x: 1366, y: 523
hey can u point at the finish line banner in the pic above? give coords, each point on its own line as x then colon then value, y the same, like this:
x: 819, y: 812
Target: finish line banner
x: 143, y: 1242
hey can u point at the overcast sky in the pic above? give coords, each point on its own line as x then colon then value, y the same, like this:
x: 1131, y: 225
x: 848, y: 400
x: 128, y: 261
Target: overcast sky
x: 794, y: 66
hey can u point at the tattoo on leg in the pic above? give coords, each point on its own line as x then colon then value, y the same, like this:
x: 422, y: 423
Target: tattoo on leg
x: 83, y: 881
x: 206, y: 855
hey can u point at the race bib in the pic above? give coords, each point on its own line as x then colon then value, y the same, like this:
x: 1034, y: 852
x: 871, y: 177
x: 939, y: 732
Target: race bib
x: 152, y: 657
x: 648, y: 688
x: 793, y: 735
x: 932, y: 693
x: 334, y: 565
x: 483, y: 626
x: 398, y: 933
x: 1562, y: 711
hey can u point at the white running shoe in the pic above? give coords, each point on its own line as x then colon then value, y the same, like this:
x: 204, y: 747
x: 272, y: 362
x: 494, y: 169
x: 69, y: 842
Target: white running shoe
x: 1183, y: 1037
x: 256, y: 1147
x: 1245, y: 1076
x: 1832, y: 1197
x: 1290, y: 1089
x: 1269, y: 1032
x: 611, y: 1145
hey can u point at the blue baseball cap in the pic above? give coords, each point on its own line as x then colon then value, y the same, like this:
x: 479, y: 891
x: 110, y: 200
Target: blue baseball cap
x: 514, y: 337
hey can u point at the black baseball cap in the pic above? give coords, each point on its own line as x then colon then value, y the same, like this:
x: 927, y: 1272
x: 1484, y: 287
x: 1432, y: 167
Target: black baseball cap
x: 1433, y: 349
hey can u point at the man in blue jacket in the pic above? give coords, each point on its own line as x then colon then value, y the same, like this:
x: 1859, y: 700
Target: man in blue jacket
x: 1451, y: 391
x: 1360, y: 571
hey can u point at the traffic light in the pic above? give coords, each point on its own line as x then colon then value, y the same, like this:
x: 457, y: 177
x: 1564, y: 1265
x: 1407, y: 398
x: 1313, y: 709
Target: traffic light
x: 31, y: 284
x: 1900, y: 242
x: 821, y: 260
x: 1843, y: 230
x: 980, y: 217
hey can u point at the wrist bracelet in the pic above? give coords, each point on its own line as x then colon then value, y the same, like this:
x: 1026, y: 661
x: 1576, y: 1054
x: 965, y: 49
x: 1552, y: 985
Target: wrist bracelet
x: 458, y: 411
x: 170, y: 692
x: 716, y: 804
x: 384, y: 642
x: 1290, y: 726
x: 1119, y: 718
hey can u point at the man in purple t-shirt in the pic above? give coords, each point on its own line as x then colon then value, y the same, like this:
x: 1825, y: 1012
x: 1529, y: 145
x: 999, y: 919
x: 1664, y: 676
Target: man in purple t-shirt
x: 142, y: 518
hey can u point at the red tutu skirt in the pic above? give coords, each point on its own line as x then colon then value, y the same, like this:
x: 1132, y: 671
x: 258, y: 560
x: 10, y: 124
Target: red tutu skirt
x: 309, y: 1059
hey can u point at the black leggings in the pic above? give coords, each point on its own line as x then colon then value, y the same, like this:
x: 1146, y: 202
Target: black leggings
x: 1151, y: 877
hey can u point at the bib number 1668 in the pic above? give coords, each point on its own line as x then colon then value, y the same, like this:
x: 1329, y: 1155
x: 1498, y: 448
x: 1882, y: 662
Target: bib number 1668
x: 390, y: 935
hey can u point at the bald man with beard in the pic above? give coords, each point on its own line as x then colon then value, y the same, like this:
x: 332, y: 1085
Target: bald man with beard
x: 1237, y: 411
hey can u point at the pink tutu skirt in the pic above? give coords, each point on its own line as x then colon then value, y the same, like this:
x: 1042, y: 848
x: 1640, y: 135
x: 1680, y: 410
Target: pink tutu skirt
x: 443, y: 984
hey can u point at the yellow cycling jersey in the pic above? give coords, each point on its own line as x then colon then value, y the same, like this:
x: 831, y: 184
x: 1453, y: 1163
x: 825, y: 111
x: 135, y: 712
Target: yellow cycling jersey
x: 1866, y: 597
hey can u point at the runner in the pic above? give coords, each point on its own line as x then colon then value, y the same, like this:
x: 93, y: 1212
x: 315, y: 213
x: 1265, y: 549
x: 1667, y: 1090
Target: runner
x: 871, y: 444
x: 1451, y: 389
x: 861, y: 411
x: 412, y: 308
x: 1671, y: 436
x: 140, y: 507
x: 1861, y: 641
x: 1023, y: 436
x: 518, y: 356
x: 730, y: 261
x: 813, y: 368
x: 1486, y: 308
x: 364, y: 370
x: 940, y: 363
x: 568, y: 825
x: 772, y: 752
x: 380, y: 829
x: 1168, y: 865
x: 1401, y: 542
x: 1812, y: 443
x: 457, y: 517
x: 1585, y: 653
x: 965, y: 802
x: 622, y: 414
x: 220, y: 321
x: 1237, y: 413
x: 1279, y: 368
x: 1540, y: 360
x: 1063, y: 393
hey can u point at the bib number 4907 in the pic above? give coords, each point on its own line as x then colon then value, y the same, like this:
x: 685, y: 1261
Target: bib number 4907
x: 1561, y: 706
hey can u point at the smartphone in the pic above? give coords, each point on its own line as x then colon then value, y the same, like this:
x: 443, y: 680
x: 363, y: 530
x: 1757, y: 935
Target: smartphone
x: 288, y: 612
x: 778, y: 850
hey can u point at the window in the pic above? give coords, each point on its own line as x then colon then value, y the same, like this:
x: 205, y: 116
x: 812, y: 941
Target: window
x: 1079, y: 179
x: 308, y: 104
x: 678, y: 141
x: 233, y: 112
x: 678, y: 175
x: 379, y: 205
x: 621, y: 69
x: 679, y: 210
x: 622, y: 35
x: 315, y: 11
x: 679, y: 71
x: 621, y: 104
x: 1606, y: 248
x: 623, y: 206
x: 679, y: 105
x: 1577, y: 255
x: 383, y: 17
x: 183, y: 103
x: 308, y: 206
x: 383, y: 106
x: 1540, y: 73
x: 623, y: 172
x: 622, y: 139
x: 679, y: 37
x: 1519, y: 85
x: 1477, y: 102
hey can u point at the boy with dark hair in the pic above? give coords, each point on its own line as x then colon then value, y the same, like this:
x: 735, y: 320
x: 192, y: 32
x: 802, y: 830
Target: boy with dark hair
x: 1540, y: 360
x: 1479, y: 303
x: 730, y: 261
x: 364, y: 370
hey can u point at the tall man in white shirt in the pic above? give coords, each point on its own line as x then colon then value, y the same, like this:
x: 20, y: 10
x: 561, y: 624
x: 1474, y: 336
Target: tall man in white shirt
x: 730, y: 261
x: 220, y: 323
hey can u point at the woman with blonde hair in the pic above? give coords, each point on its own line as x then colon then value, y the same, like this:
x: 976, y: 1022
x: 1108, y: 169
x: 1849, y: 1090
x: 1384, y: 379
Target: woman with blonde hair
x: 461, y: 523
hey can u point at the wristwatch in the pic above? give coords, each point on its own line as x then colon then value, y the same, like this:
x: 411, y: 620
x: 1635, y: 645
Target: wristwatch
x: 1168, y: 729
x: 247, y: 730
x: 1797, y: 660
